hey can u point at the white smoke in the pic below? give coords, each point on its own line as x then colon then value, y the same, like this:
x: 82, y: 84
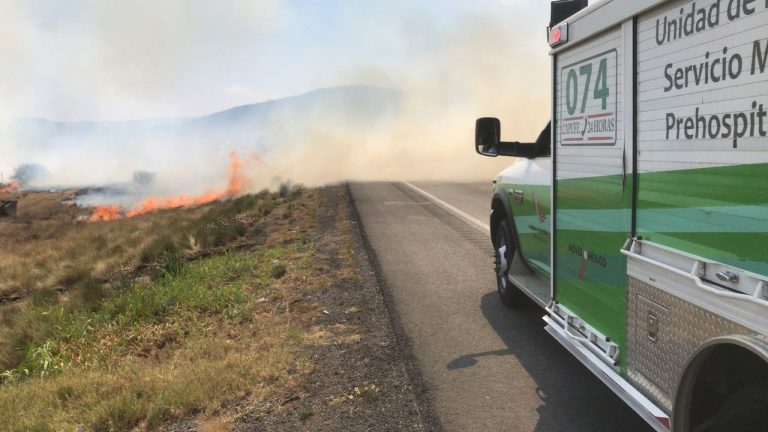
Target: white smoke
x: 134, y: 60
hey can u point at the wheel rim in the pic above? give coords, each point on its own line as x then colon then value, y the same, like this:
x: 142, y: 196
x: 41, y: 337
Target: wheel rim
x: 502, y: 262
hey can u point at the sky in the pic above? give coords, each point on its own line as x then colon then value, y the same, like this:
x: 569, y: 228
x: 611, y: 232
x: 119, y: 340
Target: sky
x: 99, y: 60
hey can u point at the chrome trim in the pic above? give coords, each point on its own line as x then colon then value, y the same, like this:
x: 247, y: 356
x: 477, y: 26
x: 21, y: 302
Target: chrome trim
x: 578, y: 330
x: 654, y: 416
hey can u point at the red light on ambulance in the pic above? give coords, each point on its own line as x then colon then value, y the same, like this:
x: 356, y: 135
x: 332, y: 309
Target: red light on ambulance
x: 558, y: 35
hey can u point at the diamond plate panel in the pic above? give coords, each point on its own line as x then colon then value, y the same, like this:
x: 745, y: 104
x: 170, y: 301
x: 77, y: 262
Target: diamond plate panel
x: 655, y: 367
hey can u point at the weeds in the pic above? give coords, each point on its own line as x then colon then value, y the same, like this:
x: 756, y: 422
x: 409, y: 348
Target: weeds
x: 205, y: 372
x: 41, y: 361
x: 73, y: 272
x: 114, y: 353
x: 158, y: 247
x: 223, y: 224
x: 278, y: 269
x: 289, y: 189
x: 369, y: 392
x: 89, y: 292
x: 218, y: 288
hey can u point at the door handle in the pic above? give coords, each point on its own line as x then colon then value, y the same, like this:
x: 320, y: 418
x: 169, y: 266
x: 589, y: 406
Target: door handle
x: 727, y: 276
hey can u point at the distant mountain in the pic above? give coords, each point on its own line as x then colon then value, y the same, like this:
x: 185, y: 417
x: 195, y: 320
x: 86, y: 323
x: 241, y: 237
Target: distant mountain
x: 189, y: 155
x: 257, y: 123
x: 364, y: 103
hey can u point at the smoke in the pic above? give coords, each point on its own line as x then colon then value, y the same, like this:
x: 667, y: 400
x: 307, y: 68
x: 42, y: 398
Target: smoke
x: 85, y: 63
x: 450, y: 72
x: 481, y: 69
x: 94, y: 60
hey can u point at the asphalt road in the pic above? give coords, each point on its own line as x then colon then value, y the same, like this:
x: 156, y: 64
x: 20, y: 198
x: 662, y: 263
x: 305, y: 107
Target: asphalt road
x: 486, y: 367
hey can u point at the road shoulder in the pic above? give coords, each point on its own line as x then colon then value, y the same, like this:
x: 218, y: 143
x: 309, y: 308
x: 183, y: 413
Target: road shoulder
x: 424, y: 401
x: 364, y: 376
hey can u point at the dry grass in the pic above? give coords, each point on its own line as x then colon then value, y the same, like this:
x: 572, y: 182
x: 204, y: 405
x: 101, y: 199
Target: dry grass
x: 141, y: 394
x: 75, y: 265
x: 45, y: 247
x: 99, y: 342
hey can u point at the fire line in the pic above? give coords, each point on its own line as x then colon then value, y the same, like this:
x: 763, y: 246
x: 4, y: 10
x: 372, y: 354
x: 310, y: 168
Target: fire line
x: 151, y: 204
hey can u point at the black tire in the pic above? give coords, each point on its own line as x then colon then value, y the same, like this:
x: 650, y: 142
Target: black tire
x: 745, y: 411
x: 510, y: 295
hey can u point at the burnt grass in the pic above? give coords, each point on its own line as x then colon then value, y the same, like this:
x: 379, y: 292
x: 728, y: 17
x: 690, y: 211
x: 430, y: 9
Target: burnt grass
x: 378, y: 362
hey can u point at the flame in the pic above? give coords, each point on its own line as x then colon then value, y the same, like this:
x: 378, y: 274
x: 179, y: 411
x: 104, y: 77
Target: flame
x: 106, y: 213
x: 11, y: 188
x: 234, y: 186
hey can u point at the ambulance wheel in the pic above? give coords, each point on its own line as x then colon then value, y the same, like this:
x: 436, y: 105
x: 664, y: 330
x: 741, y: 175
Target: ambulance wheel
x: 746, y: 410
x: 503, y: 253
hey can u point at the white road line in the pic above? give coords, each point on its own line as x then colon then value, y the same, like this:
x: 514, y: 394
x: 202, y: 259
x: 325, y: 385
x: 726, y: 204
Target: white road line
x: 475, y: 223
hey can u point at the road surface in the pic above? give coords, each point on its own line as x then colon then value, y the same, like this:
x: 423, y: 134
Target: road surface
x: 486, y: 367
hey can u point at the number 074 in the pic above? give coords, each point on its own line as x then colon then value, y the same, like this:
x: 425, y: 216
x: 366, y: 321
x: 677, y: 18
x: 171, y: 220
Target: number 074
x: 600, y: 91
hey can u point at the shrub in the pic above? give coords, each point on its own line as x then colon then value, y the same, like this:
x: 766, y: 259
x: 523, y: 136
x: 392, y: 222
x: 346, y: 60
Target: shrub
x: 88, y: 293
x: 278, y: 269
x: 158, y: 247
x: 74, y: 272
x: 289, y: 189
x: 43, y: 296
x: 41, y: 360
x: 223, y: 224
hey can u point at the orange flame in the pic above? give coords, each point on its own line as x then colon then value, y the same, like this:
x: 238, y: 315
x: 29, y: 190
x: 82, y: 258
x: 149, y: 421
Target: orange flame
x: 11, y: 188
x: 234, y: 186
x: 106, y: 213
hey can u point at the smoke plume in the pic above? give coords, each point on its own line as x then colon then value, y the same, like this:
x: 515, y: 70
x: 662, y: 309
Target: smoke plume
x: 411, y: 122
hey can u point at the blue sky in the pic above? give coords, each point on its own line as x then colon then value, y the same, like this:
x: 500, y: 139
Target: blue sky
x: 117, y: 60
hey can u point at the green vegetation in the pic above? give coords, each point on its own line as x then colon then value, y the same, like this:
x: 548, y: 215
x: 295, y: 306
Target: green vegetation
x: 155, y: 317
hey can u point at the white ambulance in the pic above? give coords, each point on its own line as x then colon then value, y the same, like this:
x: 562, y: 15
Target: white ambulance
x: 639, y: 218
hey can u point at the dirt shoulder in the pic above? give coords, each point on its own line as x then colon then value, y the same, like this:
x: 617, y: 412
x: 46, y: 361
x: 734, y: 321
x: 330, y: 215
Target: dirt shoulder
x: 363, y: 374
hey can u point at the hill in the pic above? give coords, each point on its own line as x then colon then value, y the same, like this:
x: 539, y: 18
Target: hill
x: 358, y: 104
x: 185, y: 151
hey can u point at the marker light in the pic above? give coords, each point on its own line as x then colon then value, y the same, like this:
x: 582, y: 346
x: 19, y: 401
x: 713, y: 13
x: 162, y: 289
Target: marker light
x: 558, y: 35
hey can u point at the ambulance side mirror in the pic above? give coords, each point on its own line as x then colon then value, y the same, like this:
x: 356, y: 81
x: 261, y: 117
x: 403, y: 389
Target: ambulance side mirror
x: 487, y: 136
x: 488, y: 141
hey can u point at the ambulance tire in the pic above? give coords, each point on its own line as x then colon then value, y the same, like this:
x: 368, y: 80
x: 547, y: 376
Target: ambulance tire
x: 510, y: 295
x: 746, y: 411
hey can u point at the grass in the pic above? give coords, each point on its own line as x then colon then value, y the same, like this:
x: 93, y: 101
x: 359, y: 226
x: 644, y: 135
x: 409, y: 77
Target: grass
x: 130, y: 323
x: 140, y: 395
x: 49, y: 254
x: 54, y: 251
x: 182, y: 295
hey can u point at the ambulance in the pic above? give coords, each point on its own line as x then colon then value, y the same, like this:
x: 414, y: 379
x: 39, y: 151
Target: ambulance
x: 638, y: 220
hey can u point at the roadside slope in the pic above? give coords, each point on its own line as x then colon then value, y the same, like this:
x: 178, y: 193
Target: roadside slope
x: 260, y: 313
